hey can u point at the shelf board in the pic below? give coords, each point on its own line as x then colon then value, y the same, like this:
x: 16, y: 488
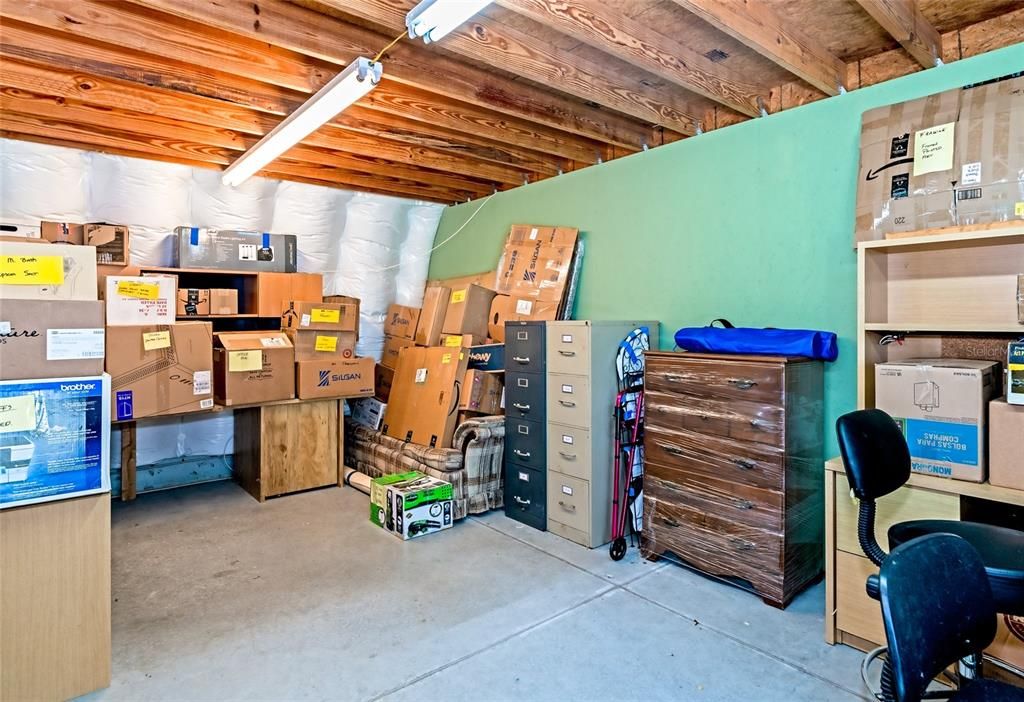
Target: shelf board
x: 196, y: 271
x: 204, y: 317
x: 224, y: 408
x: 944, y: 327
x: 951, y: 237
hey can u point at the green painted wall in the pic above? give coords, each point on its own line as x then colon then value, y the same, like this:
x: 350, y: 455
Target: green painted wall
x: 752, y: 223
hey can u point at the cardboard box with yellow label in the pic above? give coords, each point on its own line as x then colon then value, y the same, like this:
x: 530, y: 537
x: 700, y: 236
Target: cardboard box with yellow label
x: 423, y: 404
x: 322, y: 345
x: 468, y: 312
x: 41, y: 271
x: 253, y: 367
x: 322, y: 316
x: 140, y: 300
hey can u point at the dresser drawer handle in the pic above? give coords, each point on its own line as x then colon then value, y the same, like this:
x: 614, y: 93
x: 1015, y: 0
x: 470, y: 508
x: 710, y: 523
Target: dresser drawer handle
x: 518, y: 406
x: 745, y: 504
x: 525, y: 503
x: 567, y: 456
x: 673, y: 450
x: 743, y: 464
x: 521, y: 359
x: 566, y: 353
x: 566, y: 403
x: 569, y: 508
x: 757, y: 423
x: 675, y: 378
x: 742, y: 545
x: 521, y: 454
x: 671, y: 522
x: 742, y: 383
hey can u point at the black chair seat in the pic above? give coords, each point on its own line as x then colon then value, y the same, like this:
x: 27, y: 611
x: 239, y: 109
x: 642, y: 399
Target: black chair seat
x: 1001, y: 549
x: 989, y: 691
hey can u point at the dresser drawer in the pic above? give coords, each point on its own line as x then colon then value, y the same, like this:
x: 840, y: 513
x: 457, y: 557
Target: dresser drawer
x: 734, y: 419
x: 569, y: 399
x: 568, y: 348
x: 524, y: 346
x: 525, y: 395
x: 524, y: 443
x: 743, y: 504
x: 525, y: 498
x: 756, y: 382
x: 569, y: 501
x: 569, y: 450
x: 742, y: 462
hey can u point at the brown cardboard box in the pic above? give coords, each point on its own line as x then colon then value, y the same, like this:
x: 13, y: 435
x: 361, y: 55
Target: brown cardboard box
x: 505, y: 308
x: 481, y: 392
x: 535, y: 262
x: 62, y: 232
x: 1005, y: 444
x: 252, y: 367
x: 392, y: 346
x: 193, y: 302
x: 383, y: 377
x: 468, y: 311
x: 322, y: 316
x: 346, y: 300
x: 39, y: 339
x: 487, y: 279
x: 401, y: 321
x: 423, y: 405
x: 435, y: 307
x: 352, y: 377
x: 110, y: 240
x: 276, y: 291
x: 223, y: 301
x: 104, y: 271
x: 160, y: 369
x: 457, y: 341
x: 313, y: 345
x: 63, y: 272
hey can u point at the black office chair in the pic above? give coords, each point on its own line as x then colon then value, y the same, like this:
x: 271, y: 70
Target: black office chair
x: 877, y: 463
x: 937, y: 607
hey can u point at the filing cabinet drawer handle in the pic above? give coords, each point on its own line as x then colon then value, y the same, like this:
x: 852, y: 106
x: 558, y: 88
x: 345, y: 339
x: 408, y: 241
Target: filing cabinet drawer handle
x: 566, y: 403
x: 742, y: 545
x: 521, y: 359
x: 567, y: 456
x: 521, y: 454
x: 517, y: 498
x: 744, y: 504
x: 570, y: 508
x: 743, y: 464
x: 742, y: 383
x: 518, y: 406
x: 566, y: 353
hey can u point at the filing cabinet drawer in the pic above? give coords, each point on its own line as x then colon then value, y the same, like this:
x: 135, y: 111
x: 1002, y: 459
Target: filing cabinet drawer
x: 525, y: 395
x: 525, y: 499
x: 568, y: 348
x: 569, y: 501
x: 524, y: 346
x: 569, y: 399
x: 569, y: 450
x: 524, y: 443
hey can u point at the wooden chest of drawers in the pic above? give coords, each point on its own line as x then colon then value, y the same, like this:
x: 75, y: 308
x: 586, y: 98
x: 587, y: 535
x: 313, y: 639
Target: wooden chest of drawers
x: 732, y: 482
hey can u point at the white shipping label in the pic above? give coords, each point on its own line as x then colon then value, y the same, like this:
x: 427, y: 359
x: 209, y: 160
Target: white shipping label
x: 304, y: 322
x: 524, y: 306
x: 567, y: 389
x: 567, y: 490
x: 201, y: 383
x: 5, y: 327
x: 206, y: 404
x: 566, y: 338
x: 533, y: 233
x: 274, y: 342
x: 74, y: 344
x: 566, y: 439
x: 970, y: 173
x: 247, y: 252
x: 421, y: 375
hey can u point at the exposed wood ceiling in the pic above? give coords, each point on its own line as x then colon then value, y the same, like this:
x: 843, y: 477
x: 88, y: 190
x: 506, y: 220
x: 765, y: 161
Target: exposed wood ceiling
x: 524, y: 91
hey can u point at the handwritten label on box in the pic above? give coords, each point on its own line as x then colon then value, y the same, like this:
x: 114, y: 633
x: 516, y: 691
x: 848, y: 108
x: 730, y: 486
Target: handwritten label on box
x: 239, y: 361
x: 32, y: 270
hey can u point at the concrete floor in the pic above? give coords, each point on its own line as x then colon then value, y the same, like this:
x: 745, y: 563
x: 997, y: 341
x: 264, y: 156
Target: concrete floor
x: 217, y: 597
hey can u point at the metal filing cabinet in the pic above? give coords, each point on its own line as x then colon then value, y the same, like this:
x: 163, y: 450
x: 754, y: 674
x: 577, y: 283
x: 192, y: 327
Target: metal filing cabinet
x: 581, y: 389
x: 525, y: 424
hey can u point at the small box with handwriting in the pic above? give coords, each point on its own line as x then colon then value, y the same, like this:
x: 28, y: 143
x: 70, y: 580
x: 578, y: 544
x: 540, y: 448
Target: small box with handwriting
x: 253, y: 367
x: 133, y: 300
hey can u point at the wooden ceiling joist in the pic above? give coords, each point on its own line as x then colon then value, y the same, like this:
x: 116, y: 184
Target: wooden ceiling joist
x: 756, y: 25
x: 903, y: 20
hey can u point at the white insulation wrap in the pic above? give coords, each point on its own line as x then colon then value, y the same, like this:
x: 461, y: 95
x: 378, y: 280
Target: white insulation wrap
x: 372, y: 247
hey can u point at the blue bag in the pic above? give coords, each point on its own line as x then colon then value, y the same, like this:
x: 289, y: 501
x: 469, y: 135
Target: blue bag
x: 819, y: 345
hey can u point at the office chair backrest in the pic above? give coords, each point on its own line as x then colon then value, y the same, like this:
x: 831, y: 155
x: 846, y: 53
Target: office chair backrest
x: 874, y: 452
x: 937, y: 608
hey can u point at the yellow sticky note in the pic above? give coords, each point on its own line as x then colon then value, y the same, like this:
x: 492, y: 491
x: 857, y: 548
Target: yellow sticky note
x: 32, y: 270
x: 933, y: 149
x: 1018, y: 209
x: 152, y: 341
x: 245, y: 360
x: 17, y: 413
x: 318, y: 314
x: 458, y: 296
x: 326, y: 343
x: 455, y: 341
x: 445, y: 359
x: 139, y: 291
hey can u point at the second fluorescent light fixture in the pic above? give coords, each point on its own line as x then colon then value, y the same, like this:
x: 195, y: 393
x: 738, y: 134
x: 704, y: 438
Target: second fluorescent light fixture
x: 358, y: 78
x: 432, y: 19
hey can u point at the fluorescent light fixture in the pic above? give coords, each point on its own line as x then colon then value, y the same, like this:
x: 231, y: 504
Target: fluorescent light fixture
x: 358, y: 78
x: 432, y: 19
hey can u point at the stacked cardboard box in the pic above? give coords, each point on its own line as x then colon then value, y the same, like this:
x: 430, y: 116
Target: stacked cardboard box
x: 253, y: 367
x: 205, y: 302
x: 110, y: 240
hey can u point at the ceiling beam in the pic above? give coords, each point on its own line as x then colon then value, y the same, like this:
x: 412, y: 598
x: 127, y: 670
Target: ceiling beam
x: 903, y: 20
x: 756, y: 25
x: 609, y: 30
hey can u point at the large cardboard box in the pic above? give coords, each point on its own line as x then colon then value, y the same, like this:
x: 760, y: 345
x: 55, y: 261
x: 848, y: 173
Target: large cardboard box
x: 941, y: 405
x: 401, y: 321
x: 1006, y: 444
x: 322, y: 345
x: 193, y: 302
x: 393, y: 346
x: 253, y: 367
x: 42, y: 340
x: 432, y: 314
x: 236, y: 250
x: 481, y: 392
x: 423, y: 404
x: 535, y: 262
x: 160, y: 369
x: 468, y: 312
x: 505, y: 308
x: 383, y: 377
x: 322, y: 316
x: 336, y: 377
x: 275, y: 292
x: 351, y: 302
x: 487, y: 279
x: 142, y: 300
x: 42, y: 271
x: 368, y: 411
